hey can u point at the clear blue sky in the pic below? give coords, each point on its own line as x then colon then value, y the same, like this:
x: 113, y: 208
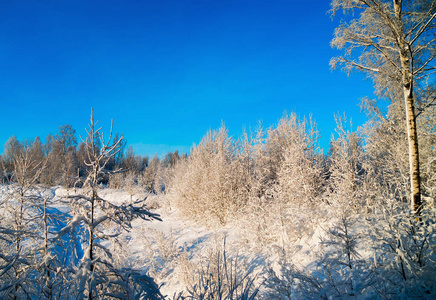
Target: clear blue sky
x: 167, y: 71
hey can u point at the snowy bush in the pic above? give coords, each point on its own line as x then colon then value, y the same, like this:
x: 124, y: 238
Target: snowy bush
x: 336, y: 271
x: 222, y: 277
x: 404, y: 263
x: 203, y: 184
x: 389, y: 256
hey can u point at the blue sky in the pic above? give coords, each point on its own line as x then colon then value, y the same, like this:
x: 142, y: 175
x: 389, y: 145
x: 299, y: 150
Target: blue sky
x: 167, y: 71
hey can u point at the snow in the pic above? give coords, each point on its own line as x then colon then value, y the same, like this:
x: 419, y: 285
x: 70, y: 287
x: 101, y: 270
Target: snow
x: 169, y: 249
x: 172, y: 251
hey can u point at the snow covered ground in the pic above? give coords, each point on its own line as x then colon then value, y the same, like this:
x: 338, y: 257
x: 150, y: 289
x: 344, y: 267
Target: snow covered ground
x: 340, y: 257
x: 174, y: 249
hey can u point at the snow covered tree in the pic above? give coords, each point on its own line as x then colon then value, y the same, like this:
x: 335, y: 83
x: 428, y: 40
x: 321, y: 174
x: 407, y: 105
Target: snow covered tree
x: 11, y: 148
x: 19, y: 230
x: 427, y: 135
x: 133, y: 185
x: 296, y: 157
x: 99, y: 222
x: 150, y: 174
x: 403, y: 264
x: 245, y: 170
x: 386, y: 163
x: 61, y: 155
x: 346, y: 174
x: 394, y: 43
x: 296, y: 180
x: 203, y: 184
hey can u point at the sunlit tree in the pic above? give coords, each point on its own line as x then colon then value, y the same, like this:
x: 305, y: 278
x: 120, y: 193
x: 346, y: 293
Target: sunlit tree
x: 393, y: 41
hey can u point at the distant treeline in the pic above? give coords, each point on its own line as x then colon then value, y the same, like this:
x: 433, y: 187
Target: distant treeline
x: 65, y: 159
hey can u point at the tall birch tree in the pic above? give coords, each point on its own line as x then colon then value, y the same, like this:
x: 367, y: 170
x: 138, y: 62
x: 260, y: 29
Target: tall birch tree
x: 393, y: 41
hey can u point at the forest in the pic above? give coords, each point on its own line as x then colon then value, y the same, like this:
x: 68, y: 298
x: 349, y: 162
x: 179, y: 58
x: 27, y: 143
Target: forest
x: 264, y: 215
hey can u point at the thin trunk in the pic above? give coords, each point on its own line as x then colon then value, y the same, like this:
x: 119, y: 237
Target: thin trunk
x: 48, y: 285
x: 412, y: 134
x: 45, y: 228
x: 91, y: 240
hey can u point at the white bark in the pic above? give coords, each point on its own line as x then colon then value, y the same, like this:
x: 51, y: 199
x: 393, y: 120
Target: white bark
x: 396, y: 44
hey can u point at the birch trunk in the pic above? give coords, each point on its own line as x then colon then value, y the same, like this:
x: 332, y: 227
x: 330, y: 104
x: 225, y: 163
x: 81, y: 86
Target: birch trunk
x: 415, y: 181
x: 412, y: 134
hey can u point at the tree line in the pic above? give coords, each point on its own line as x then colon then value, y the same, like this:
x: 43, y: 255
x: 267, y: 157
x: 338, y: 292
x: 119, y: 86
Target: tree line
x: 64, y: 161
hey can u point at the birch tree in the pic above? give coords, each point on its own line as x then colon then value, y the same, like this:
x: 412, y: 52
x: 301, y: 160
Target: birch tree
x: 393, y: 41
